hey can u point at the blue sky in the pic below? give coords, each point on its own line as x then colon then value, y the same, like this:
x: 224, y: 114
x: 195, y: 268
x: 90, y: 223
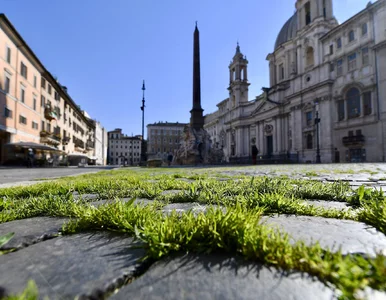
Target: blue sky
x: 103, y: 49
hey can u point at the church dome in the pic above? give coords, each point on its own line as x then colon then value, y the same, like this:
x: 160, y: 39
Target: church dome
x: 288, y: 32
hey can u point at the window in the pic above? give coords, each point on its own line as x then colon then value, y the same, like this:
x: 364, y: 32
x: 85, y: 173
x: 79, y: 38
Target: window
x: 22, y: 95
x: 358, y: 132
x: 310, y: 141
x: 324, y: 9
x: 22, y: 120
x: 8, y: 55
x: 48, y: 127
x: 23, y: 70
x: 351, y: 36
x: 7, y: 84
x: 365, y: 56
x: 367, y: 105
x: 339, y: 43
x: 341, y: 110
x: 332, y: 67
x: 310, y: 56
x: 43, y: 125
x: 339, y: 67
x: 34, y: 103
x: 7, y: 113
x: 364, y: 28
x: 43, y: 83
x: 35, y: 81
x: 352, y: 62
x: 309, y: 118
x: 49, y: 89
x: 331, y: 49
x: 281, y: 71
x: 307, y: 8
x: 34, y: 125
x: 57, y: 97
x: 353, y: 103
x: 43, y: 101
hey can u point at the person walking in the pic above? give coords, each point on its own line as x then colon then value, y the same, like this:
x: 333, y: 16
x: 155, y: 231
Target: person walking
x: 255, y: 151
x: 170, y: 158
x: 30, y: 158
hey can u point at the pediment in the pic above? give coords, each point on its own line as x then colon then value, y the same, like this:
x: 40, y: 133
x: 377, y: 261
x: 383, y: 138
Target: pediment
x: 264, y: 106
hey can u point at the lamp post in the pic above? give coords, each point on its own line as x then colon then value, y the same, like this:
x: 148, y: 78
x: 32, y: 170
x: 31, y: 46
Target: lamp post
x: 317, y: 121
x: 132, y: 149
x: 143, y: 157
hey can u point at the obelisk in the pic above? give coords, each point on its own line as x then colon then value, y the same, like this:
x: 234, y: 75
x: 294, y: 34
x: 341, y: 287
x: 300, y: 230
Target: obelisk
x: 196, y: 114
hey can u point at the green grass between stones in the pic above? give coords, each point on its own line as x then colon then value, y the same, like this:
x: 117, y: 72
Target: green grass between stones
x: 235, y: 230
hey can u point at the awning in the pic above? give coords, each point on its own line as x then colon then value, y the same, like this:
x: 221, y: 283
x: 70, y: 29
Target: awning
x: 36, y: 146
x: 77, y: 155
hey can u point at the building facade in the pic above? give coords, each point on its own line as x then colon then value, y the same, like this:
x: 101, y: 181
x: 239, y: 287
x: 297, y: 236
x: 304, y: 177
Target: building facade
x: 101, y: 144
x: 122, y: 149
x: 163, y: 138
x: 34, y: 106
x: 327, y: 91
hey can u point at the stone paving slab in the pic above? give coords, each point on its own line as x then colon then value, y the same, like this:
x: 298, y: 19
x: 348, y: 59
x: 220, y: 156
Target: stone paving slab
x: 171, y: 192
x: 184, y: 207
x: 87, y: 197
x: 328, y: 204
x: 353, y: 237
x: 30, y: 231
x: 208, y: 277
x: 68, y: 266
x: 138, y: 201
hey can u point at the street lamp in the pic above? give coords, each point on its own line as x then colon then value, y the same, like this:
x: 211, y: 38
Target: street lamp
x: 132, y: 149
x: 317, y: 121
x: 143, y: 157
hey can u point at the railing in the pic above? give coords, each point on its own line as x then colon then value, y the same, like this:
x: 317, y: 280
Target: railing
x: 90, y: 144
x: 353, y: 140
x: 66, y: 140
x: 50, y: 138
x: 79, y: 143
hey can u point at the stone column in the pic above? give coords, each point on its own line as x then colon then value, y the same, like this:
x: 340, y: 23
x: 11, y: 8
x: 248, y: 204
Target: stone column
x: 279, y: 134
x: 299, y: 60
x: 314, y: 10
x: 272, y: 73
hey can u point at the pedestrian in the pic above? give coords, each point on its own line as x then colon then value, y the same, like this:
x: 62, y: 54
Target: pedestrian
x: 255, y: 151
x: 170, y: 158
x: 30, y: 158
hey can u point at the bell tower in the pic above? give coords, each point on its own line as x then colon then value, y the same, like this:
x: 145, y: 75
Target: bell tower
x: 309, y: 11
x: 238, y: 79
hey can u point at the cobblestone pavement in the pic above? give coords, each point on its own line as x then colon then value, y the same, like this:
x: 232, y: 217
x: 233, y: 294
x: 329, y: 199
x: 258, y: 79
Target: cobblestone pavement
x: 10, y: 176
x: 91, y: 265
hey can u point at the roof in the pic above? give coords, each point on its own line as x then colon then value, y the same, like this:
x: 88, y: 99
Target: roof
x: 166, y: 124
x: 288, y: 31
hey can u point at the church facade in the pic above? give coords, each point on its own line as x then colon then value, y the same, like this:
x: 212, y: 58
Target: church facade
x: 327, y: 94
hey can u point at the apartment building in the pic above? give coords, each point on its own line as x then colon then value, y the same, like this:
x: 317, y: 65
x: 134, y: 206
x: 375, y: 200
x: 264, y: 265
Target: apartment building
x: 35, y: 107
x: 123, y: 149
x: 164, y: 137
x: 101, y: 144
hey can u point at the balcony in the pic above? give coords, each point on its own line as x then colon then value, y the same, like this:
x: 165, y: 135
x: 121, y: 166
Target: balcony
x: 49, y: 138
x: 355, y: 140
x: 89, y: 145
x: 66, y: 140
x: 79, y: 145
x: 49, y: 113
